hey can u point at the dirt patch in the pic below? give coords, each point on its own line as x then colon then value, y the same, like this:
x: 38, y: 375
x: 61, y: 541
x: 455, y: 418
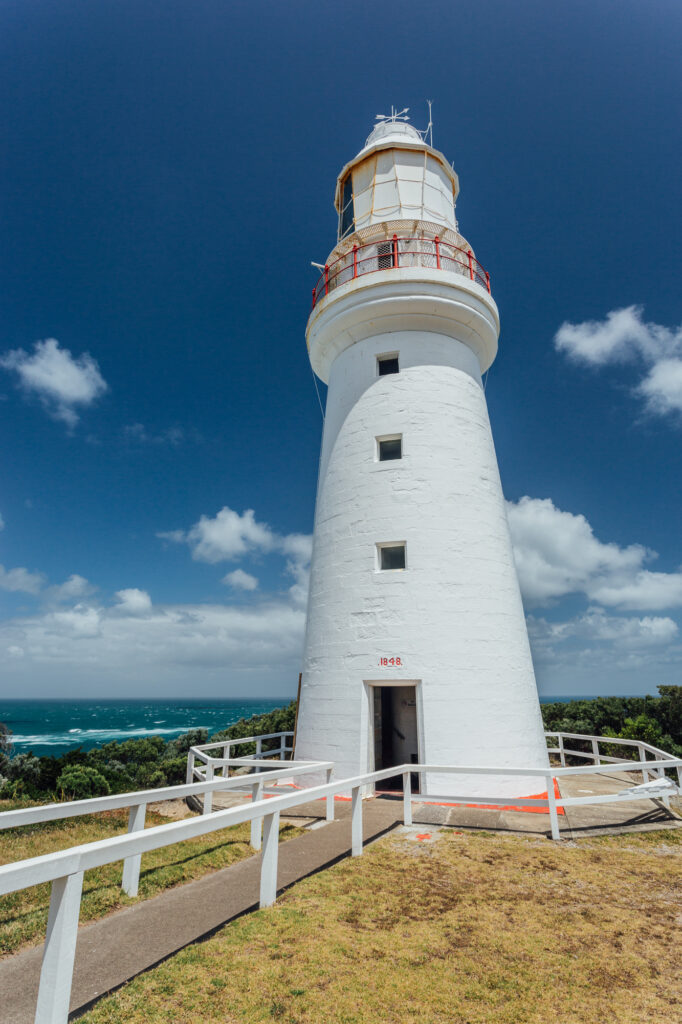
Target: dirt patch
x: 174, y: 810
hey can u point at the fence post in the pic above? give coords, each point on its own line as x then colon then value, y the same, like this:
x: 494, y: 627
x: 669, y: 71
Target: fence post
x: 330, y: 797
x: 282, y: 747
x: 355, y: 261
x: 437, y: 241
x: 268, y: 864
x: 226, y: 755
x: 395, y: 250
x: 190, y: 767
x: 471, y: 264
x: 356, y: 822
x: 487, y: 281
x: 562, y: 752
x: 208, y: 797
x: 314, y: 296
x: 551, y: 800
x: 259, y: 747
x: 131, y: 865
x: 256, y: 823
x: 56, y: 973
x: 641, y: 754
x: 326, y: 280
x: 595, y: 751
x: 407, y: 798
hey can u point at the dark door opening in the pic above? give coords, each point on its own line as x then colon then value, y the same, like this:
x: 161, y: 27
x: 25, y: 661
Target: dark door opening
x: 395, y: 732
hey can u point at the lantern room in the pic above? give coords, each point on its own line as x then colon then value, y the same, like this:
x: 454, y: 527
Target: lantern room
x: 396, y: 176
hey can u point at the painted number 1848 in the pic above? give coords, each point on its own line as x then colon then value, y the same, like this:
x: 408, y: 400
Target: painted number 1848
x: 385, y: 662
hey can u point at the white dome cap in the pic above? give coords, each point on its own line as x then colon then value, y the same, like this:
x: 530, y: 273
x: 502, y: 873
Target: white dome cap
x: 393, y: 131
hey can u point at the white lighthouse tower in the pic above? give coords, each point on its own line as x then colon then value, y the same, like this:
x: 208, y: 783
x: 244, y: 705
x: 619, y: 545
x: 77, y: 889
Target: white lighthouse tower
x: 416, y: 647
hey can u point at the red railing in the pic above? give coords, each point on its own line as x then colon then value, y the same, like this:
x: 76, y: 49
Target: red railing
x: 390, y: 253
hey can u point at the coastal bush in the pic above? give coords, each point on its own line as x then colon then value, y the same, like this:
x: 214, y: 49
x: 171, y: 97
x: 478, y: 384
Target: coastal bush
x: 23, y: 774
x: 78, y: 782
x: 278, y: 720
x: 5, y: 749
x: 655, y: 720
x: 147, y: 763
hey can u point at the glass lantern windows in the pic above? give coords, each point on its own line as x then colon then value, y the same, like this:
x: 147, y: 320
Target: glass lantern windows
x: 346, y: 217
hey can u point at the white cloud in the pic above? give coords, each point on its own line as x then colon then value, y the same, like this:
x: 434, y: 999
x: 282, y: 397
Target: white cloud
x: 174, y: 536
x: 240, y: 580
x: 662, y: 387
x: 229, y: 536
x: 76, y: 586
x: 597, y: 626
x: 654, y: 591
x: 257, y: 647
x: 21, y: 580
x: 138, y: 433
x: 557, y: 553
x: 624, y: 337
x: 63, y: 383
x: 80, y: 622
x: 133, y: 602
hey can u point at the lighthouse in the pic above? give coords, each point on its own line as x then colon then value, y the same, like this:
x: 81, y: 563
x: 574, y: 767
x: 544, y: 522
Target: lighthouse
x: 416, y: 648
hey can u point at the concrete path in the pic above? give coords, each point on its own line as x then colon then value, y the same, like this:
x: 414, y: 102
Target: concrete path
x: 118, y: 947
x: 577, y: 822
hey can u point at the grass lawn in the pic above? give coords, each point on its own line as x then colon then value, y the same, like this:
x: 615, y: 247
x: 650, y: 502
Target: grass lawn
x: 23, y: 915
x: 468, y: 929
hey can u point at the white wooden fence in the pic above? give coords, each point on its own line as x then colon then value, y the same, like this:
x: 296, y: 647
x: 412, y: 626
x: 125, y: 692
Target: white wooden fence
x: 255, y: 785
x: 597, y: 756
x: 65, y: 868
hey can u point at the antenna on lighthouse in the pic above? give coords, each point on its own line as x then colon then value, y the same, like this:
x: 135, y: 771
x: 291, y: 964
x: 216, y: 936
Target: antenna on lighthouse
x: 428, y: 134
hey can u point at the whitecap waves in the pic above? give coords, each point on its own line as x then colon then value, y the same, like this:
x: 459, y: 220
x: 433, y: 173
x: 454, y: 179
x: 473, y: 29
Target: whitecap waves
x: 94, y: 737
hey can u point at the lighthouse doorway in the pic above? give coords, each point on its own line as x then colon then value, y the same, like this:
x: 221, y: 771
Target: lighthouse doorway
x: 395, y: 731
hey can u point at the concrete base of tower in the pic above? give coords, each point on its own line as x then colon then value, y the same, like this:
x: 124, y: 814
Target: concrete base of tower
x: 389, y: 725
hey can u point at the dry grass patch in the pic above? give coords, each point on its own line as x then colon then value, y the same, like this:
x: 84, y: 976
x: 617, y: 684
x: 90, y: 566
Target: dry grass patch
x: 472, y: 929
x: 23, y: 915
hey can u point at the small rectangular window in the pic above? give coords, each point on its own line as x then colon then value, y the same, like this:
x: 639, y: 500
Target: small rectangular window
x: 391, y: 556
x: 388, y: 364
x: 389, y: 448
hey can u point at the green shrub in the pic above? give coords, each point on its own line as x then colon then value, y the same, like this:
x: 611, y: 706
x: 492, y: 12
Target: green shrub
x: 79, y: 782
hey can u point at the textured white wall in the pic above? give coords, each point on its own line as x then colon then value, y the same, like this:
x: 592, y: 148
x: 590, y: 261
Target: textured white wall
x: 454, y: 616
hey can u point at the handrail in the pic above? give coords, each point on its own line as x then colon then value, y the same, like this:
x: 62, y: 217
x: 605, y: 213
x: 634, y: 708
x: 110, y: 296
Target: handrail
x: 394, y: 253
x: 596, y: 756
x: 137, y: 802
x: 242, y: 739
x: 199, y: 753
x: 93, y: 805
x: 65, y: 868
x: 105, y: 851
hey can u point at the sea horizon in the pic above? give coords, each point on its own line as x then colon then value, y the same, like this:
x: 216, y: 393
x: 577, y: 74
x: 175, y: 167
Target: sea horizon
x: 55, y: 725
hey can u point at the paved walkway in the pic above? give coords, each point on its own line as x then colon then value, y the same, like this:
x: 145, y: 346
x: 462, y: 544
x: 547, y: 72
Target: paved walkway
x: 118, y: 947
x: 113, y: 950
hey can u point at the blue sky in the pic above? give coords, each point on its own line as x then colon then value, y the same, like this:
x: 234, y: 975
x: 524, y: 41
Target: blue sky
x: 167, y: 177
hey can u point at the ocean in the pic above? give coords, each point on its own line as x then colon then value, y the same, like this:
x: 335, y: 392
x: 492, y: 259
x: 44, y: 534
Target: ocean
x: 56, y: 726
